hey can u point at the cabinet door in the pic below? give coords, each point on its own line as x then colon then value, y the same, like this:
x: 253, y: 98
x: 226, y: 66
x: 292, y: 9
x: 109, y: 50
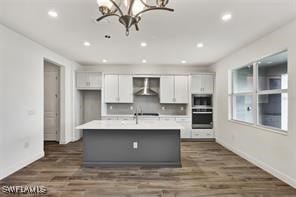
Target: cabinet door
x: 82, y: 80
x: 186, y: 123
x: 196, y: 84
x: 181, y: 89
x: 207, y: 84
x: 95, y: 80
x: 167, y: 89
x: 111, y: 89
x: 125, y: 89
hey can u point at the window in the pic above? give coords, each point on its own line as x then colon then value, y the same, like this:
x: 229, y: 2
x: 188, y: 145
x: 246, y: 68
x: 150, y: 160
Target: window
x: 242, y: 94
x: 259, y: 92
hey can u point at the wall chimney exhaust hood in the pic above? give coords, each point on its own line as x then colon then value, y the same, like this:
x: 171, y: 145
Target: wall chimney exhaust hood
x: 146, y: 90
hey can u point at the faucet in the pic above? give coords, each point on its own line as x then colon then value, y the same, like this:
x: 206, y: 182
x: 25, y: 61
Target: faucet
x: 137, y: 114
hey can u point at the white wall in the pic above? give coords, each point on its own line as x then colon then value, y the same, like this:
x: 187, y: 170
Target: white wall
x: 147, y: 69
x: 272, y: 151
x: 21, y: 104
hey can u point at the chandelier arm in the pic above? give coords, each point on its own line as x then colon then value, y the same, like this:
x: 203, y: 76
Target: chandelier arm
x: 105, y: 16
x: 117, y: 7
x: 153, y: 8
x: 137, y: 27
x: 130, y: 7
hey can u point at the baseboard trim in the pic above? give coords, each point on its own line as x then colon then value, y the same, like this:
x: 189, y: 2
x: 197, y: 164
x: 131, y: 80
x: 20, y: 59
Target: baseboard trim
x: 15, y: 167
x: 285, y: 178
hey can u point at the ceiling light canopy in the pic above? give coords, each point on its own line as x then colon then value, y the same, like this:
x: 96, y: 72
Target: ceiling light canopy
x: 183, y: 61
x: 129, y: 11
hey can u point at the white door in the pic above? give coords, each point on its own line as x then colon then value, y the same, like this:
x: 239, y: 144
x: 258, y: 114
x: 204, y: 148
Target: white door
x: 125, y: 89
x: 51, y: 102
x: 167, y: 89
x: 181, y: 89
x: 207, y: 84
x: 111, y: 89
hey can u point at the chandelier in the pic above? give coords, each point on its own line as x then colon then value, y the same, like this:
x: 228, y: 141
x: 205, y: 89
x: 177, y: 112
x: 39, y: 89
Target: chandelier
x: 129, y: 12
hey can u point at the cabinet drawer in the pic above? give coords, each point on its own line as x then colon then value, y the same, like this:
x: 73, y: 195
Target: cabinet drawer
x: 183, y: 120
x: 202, y: 133
x: 168, y: 119
x: 149, y: 118
x: 125, y: 118
x: 109, y: 118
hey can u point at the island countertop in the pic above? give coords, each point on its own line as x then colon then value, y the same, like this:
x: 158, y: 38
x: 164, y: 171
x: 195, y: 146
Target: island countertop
x: 130, y: 125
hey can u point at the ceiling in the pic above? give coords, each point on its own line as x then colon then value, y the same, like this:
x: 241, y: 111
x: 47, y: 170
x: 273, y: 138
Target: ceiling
x: 171, y: 37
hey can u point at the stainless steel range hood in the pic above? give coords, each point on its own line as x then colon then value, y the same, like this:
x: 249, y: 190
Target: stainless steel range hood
x: 146, y: 90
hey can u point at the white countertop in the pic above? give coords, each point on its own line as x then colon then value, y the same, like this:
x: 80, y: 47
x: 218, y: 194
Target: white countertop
x: 131, y: 125
x: 145, y: 116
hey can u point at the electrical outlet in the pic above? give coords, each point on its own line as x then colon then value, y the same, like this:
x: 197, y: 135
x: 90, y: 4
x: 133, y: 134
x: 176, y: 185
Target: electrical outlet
x: 135, y: 145
x: 182, y: 109
x: 131, y: 108
x: 110, y: 107
x: 162, y: 108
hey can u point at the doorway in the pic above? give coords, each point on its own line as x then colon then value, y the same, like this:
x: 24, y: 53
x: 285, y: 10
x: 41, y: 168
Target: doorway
x: 51, y: 102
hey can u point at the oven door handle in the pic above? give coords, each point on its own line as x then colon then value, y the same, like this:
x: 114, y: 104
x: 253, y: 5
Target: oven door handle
x: 202, y: 112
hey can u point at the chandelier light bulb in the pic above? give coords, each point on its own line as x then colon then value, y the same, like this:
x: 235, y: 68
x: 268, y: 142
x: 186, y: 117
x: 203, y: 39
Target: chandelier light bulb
x: 105, y: 3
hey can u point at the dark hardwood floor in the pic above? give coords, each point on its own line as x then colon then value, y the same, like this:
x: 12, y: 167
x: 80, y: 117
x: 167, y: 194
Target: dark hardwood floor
x: 208, y: 170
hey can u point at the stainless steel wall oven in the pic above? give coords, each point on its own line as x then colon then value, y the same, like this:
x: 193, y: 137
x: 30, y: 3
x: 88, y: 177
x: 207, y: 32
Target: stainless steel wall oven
x: 202, y: 112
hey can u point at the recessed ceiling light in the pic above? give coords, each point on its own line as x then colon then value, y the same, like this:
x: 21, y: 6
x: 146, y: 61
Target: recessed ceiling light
x: 183, y: 62
x: 87, y: 44
x: 144, y: 61
x: 143, y: 44
x: 104, y: 61
x: 226, y: 17
x: 52, y: 13
x: 200, y: 45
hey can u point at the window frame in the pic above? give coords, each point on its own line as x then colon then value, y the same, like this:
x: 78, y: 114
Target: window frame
x: 256, y: 92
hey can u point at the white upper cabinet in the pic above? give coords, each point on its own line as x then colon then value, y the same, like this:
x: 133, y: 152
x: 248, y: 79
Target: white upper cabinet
x: 111, y: 88
x: 118, y: 89
x: 88, y: 80
x: 125, y: 90
x: 181, y: 89
x: 174, y: 89
x: 202, y: 84
x: 167, y: 89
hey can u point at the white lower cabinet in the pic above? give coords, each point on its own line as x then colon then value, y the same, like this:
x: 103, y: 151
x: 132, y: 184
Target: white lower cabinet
x: 186, y: 123
x: 202, y: 133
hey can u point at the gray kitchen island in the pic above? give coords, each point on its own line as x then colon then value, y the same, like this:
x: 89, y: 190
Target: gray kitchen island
x: 125, y: 143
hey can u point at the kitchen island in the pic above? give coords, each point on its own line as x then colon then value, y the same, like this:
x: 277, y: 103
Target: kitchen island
x: 125, y: 143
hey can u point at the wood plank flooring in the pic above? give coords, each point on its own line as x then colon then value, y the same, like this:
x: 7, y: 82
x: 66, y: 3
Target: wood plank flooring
x: 208, y: 170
